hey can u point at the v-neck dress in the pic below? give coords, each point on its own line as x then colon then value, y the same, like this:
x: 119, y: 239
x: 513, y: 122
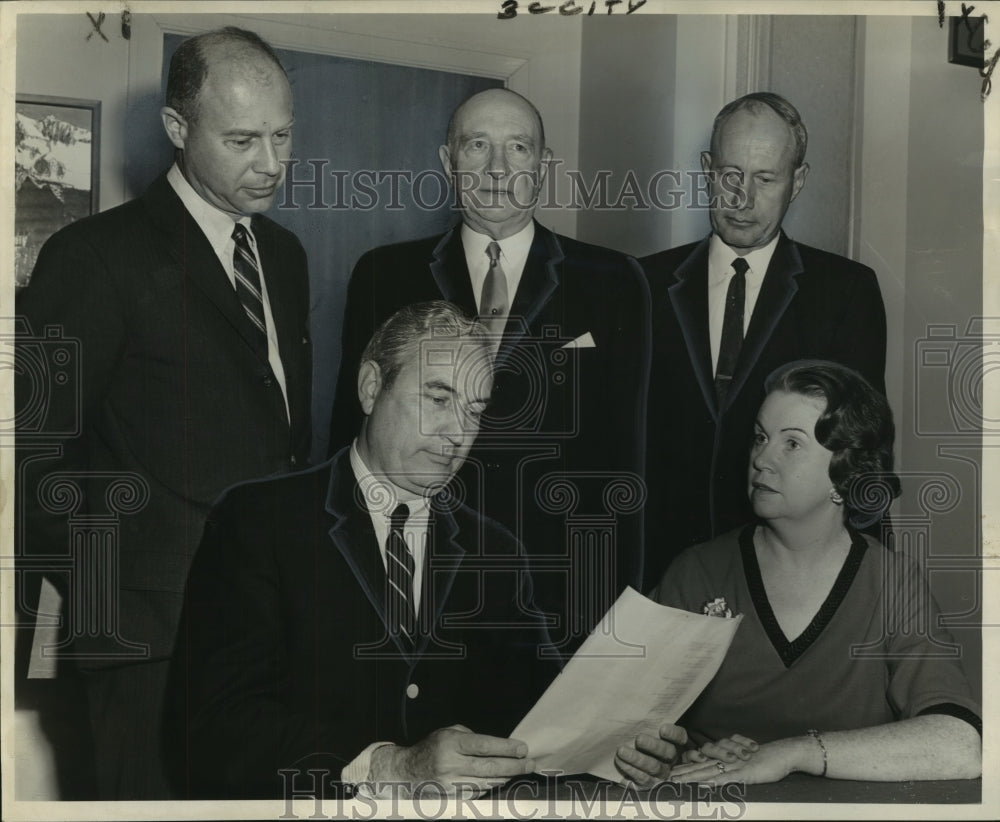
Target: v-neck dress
x: 873, y: 653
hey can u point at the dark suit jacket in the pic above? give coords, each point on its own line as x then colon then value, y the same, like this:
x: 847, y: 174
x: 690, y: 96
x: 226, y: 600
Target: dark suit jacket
x: 169, y: 401
x: 812, y: 304
x: 284, y: 652
x: 558, y: 418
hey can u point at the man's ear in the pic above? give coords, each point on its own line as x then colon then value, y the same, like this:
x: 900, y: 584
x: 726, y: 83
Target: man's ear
x: 706, y: 161
x: 175, y: 126
x: 444, y: 155
x: 369, y: 385
x: 799, y: 179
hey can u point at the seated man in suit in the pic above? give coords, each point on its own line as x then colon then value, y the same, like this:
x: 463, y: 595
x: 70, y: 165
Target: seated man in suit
x: 730, y: 309
x: 356, y: 618
x: 559, y: 460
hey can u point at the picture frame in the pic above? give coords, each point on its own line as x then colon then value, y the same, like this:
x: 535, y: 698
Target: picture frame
x: 966, y: 45
x: 56, y: 170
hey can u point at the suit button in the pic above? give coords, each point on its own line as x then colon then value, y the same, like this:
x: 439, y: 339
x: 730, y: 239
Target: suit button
x: 412, y: 690
x: 268, y: 382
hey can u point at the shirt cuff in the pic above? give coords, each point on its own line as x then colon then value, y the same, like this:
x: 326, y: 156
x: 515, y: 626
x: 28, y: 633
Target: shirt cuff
x: 356, y: 771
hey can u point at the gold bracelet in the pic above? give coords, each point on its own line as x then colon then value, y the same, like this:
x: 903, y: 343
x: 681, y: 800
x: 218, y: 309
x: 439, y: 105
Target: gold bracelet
x: 815, y: 735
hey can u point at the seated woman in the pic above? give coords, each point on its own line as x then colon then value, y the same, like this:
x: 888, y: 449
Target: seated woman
x: 838, y: 668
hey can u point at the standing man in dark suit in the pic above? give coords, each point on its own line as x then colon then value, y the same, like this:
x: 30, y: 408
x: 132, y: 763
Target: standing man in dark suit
x: 730, y: 309
x: 356, y: 620
x: 559, y: 459
x: 189, y: 309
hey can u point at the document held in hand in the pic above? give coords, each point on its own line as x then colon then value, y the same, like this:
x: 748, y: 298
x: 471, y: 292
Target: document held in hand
x: 641, y: 667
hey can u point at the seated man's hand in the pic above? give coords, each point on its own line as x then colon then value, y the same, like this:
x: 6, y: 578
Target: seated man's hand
x: 452, y: 761
x: 651, y: 759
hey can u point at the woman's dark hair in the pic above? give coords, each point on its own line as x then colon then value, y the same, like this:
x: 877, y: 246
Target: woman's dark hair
x: 856, y: 426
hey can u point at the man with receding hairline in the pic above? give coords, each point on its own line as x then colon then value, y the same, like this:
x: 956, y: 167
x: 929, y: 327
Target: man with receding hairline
x: 730, y: 309
x: 355, y: 624
x: 570, y: 321
x: 191, y: 312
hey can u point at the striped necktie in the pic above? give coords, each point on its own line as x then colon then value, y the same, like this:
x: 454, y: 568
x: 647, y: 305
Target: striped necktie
x: 399, y: 578
x: 248, y: 286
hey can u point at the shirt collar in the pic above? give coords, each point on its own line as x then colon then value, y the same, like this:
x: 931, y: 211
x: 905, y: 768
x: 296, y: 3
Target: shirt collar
x: 215, y: 223
x: 516, y: 246
x: 380, y: 496
x: 720, y: 259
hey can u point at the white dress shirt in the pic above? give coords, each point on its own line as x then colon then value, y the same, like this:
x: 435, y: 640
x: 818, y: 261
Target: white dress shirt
x: 720, y: 272
x: 381, y: 498
x: 513, y: 255
x: 217, y: 226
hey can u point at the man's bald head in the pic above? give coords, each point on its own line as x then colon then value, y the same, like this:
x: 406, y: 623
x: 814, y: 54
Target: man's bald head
x: 489, y: 97
x: 228, y: 49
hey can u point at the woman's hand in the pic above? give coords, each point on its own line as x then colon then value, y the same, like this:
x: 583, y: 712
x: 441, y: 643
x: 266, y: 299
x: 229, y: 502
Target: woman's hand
x: 652, y: 758
x: 728, y: 749
x: 767, y: 763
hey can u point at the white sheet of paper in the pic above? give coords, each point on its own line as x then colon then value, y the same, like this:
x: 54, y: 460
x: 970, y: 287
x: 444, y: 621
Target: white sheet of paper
x: 642, y: 666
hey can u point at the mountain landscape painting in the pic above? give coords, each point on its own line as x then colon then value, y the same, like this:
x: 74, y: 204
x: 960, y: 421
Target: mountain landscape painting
x: 55, y: 172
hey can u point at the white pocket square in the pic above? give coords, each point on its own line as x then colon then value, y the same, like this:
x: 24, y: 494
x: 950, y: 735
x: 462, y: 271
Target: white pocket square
x: 583, y: 341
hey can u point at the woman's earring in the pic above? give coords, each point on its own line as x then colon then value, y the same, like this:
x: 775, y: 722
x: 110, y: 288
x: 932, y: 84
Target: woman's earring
x: 835, y: 498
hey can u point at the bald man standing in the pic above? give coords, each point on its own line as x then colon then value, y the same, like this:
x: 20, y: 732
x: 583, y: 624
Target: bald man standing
x: 191, y: 312
x: 559, y: 459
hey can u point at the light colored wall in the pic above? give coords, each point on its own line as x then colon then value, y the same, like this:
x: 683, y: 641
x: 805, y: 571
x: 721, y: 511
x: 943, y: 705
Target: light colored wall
x: 55, y: 58
x: 627, y: 86
x: 944, y: 277
x: 812, y: 64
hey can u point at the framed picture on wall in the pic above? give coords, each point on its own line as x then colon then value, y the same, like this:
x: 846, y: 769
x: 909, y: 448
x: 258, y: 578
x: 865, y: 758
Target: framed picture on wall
x: 966, y: 46
x: 56, y: 171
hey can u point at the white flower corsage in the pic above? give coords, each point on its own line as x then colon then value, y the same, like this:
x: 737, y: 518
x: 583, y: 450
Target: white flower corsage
x: 717, y: 607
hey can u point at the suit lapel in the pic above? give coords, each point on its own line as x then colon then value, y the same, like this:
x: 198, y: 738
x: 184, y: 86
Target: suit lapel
x: 194, y: 255
x: 441, y: 563
x: 354, y: 536
x: 284, y: 303
x: 451, y: 273
x: 776, y: 292
x: 538, y: 283
x: 689, y: 296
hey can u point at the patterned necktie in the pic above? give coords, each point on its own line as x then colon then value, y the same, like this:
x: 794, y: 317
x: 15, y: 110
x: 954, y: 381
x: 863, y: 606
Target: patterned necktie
x: 248, y: 286
x: 493, y: 305
x: 399, y: 577
x: 732, y: 330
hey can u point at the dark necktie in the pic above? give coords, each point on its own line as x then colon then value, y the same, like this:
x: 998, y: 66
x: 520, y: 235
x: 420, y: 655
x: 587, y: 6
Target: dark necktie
x: 399, y: 576
x: 248, y: 286
x: 732, y: 330
x: 493, y: 305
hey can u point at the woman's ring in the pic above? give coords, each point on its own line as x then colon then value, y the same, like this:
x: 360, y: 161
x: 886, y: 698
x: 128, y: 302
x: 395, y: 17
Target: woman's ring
x: 721, y: 766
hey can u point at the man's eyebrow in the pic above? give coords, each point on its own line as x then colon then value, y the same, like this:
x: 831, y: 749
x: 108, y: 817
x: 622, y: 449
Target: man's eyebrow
x: 253, y: 132
x: 439, y: 385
